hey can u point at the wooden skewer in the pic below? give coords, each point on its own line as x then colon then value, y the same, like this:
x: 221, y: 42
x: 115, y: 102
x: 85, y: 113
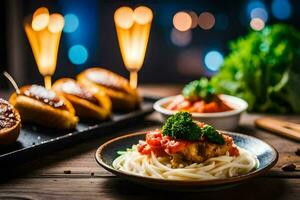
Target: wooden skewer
x: 12, y: 81
x: 284, y: 128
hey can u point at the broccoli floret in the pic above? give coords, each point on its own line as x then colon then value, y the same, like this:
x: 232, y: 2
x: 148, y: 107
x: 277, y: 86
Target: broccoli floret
x: 182, y: 126
x: 199, y: 90
x: 180, y: 131
x: 212, y: 134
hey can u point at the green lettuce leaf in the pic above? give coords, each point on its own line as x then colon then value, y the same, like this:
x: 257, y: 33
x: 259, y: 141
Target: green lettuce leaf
x: 264, y: 69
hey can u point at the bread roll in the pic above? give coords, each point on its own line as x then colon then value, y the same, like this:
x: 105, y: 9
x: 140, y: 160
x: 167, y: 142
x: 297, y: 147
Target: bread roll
x: 88, y: 103
x: 122, y: 95
x: 45, y: 107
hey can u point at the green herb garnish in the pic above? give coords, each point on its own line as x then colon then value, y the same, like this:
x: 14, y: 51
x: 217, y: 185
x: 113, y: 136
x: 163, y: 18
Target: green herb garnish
x: 182, y: 126
x: 199, y: 90
x: 212, y: 134
x: 121, y: 152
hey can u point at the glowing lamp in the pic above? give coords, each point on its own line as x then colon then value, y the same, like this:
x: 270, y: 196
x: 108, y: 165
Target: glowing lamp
x: 133, y: 30
x: 43, y: 32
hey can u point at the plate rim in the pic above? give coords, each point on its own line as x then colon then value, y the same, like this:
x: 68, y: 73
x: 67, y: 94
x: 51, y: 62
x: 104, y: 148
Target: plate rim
x: 232, y: 180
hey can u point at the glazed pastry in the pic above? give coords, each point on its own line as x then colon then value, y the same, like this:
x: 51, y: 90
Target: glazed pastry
x: 86, y: 102
x: 37, y: 104
x: 10, y: 123
x: 122, y: 95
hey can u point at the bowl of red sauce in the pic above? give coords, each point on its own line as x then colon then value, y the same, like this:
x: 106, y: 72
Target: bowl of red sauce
x: 223, y: 112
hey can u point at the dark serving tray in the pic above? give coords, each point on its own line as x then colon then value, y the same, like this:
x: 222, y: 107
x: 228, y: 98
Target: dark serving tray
x: 35, y: 140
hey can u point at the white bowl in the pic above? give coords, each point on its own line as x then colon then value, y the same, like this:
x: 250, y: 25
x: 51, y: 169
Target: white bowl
x: 227, y: 120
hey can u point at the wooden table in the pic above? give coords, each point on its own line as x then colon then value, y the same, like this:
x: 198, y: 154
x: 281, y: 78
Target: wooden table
x: 73, y: 173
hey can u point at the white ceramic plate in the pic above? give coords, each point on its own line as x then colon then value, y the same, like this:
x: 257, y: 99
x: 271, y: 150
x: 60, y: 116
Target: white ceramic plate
x: 227, y: 120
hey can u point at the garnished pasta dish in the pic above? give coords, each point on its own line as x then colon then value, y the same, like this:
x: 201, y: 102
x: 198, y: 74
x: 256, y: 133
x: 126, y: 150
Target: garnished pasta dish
x: 186, y: 150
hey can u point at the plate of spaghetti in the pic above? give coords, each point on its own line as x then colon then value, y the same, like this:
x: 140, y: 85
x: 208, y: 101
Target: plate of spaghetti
x: 186, y: 155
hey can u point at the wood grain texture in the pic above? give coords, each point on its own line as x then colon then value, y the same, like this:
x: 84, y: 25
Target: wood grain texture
x: 46, y: 177
x: 115, y: 188
x: 284, y: 128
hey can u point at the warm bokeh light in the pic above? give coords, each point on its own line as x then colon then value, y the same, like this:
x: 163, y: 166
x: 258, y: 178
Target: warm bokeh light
x: 124, y: 17
x: 182, y: 21
x: 206, y: 20
x: 194, y: 17
x: 180, y: 38
x: 257, y: 24
x: 142, y: 15
x: 56, y: 23
x: 44, y: 35
x: 133, y: 30
x: 40, y: 19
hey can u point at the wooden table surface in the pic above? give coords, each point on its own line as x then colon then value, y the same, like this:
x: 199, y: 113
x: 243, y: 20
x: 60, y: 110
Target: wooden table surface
x: 74, y: 174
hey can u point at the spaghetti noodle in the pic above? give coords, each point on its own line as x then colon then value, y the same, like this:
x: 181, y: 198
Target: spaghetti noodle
x: 224, y: 166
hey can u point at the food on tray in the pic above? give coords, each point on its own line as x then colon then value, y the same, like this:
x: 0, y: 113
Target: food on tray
x: 10, y: 123
x: 87, y: 102
x: 37, y: 104
x: 186, y: 150
x: 122, y: 95
x: 199, y: 97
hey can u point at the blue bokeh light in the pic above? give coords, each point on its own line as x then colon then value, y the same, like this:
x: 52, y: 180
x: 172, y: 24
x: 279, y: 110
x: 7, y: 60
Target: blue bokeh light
x: 78, y: 54
x: 281, y: 9
x: 213, y: 60
x: 259, y: 13
x: 71, y: 23
x: 254, y: 4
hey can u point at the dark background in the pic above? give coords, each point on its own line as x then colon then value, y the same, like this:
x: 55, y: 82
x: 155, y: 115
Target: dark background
x: 165, y: 61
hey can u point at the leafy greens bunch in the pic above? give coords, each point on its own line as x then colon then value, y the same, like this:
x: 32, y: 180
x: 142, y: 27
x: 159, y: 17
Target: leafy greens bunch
x: 264, y: 69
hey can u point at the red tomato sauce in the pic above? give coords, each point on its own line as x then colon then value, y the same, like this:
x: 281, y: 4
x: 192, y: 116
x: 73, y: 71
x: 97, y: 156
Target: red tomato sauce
x: 161, y: 145
x: 182, y: 104
x: 164, y: 145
